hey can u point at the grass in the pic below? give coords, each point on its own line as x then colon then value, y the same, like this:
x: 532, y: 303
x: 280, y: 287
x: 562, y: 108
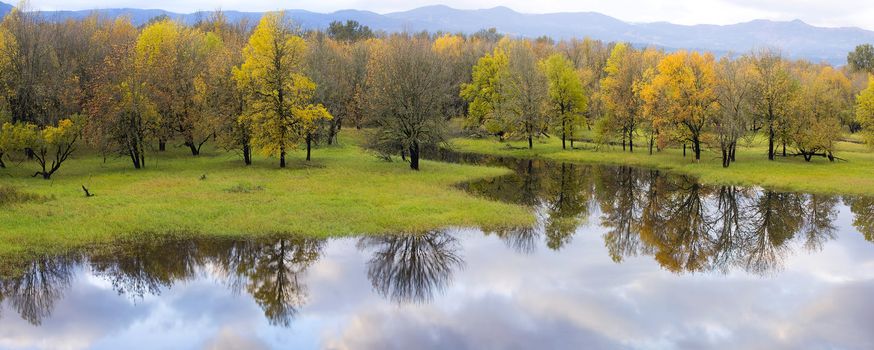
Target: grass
x: 343, y: 191
x: 853, y: 176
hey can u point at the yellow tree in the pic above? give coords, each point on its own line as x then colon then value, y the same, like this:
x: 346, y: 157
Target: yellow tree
x: 865, y: 110
x: 623, y: 70
x: 122, y: 117
x: 686, y: 86
x: 567, y: 97
x: 52, y: 145
x: 171, y: 56
x: 219, y: 98
x: 651, y: 113
x: 773, y: 88
x: 483, y: 93
x: 815, y: 120
x: 279, y: 96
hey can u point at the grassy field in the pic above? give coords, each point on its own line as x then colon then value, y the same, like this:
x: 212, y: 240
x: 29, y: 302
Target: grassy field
x: 343, y: 191
x: 853, y: 176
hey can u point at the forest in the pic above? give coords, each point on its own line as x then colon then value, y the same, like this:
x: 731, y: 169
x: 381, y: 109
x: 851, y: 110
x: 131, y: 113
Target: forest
x: 268, y: 88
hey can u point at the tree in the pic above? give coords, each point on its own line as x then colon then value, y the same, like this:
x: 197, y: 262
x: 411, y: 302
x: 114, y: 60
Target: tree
x: 219, y: 97
x: 623, y: 70
x: 349, y: 32
x: 14, y: 137
x: 123, y: 118
x: 409, y: 91
x: 28, y: 67
x: 484, y: 92
x: 773, y: 87
x: 652, y: 112
x: 278, y: 95
x: 53, y: 143
x: 567, y: 98
x: 815, y: 122
x: 686, y: 82
x: 862, y: 58
x: 589, y: 57
x: 733, y: 91
x: 865, y: 110
x: 171, y: 56
x: 524, y: 92
x: 329, y: 65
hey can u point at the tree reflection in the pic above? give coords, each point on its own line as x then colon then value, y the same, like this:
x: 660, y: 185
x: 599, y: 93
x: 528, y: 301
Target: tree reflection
x: 684, y: 225
x: 34, y: 293
x: 618, y: 193
x: 863, y: 209
x: 412, y: 268
x: 137, y: 269
x: 272, y: 271
x: 566, y: 199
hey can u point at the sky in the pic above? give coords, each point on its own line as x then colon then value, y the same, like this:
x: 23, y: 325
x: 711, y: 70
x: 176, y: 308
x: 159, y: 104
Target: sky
x: 827, y: 13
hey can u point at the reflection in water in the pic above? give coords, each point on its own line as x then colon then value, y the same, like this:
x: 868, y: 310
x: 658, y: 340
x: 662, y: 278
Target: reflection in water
x: 144, y: 268
x: 684, y: 225
x: 272, y: 273
x: 403, y: 268
x: 268, y: 269
x: 412, y: 268
x: 863, y: 208
x: 34, y: 293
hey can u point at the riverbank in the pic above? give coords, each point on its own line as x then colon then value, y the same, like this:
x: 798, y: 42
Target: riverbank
x: 343, y: 191
x: 853, y: 175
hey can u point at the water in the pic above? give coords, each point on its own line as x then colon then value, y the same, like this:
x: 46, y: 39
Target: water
x: 619, y: 258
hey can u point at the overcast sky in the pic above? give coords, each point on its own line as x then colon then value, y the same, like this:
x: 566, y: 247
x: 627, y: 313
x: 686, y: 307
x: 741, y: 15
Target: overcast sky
x: 830, y: 13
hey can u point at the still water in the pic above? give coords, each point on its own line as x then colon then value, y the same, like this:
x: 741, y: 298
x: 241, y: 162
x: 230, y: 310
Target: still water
x: 619, y: 258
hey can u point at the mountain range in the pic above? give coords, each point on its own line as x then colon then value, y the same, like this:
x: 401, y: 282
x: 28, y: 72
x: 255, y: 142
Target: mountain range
x: 795, y: 39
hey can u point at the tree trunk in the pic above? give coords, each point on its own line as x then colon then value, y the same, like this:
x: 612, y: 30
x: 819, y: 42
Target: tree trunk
x: 282, y: 157
x: 732, y: 151
x: 135, y: 157
x: 631, y: 141
x: 530, y: 142
x: 247, y: 154
x: 784, y: 149
x: 684, y: 150
x: 162, y: 145
x: 651, y: 142
x: 332, y: 131
x: 414, y: 156
x: 2, y: 165
x: 563, y: 141
x: 771, y: 141
x: 623, y: 140
x: 563, y: 136
x: 696, y: 147
x: 309, y: 145
x: 195, y: 151
x: 726, y: 158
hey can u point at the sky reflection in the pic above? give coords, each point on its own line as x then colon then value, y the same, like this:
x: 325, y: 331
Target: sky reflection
x: 619, y: 259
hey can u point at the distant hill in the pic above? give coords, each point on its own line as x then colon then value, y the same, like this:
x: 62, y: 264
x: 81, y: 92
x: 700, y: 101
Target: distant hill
x: 795, y: 38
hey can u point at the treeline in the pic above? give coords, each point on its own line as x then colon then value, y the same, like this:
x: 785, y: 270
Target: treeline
x: 532, y: 88
x: 271, y: 88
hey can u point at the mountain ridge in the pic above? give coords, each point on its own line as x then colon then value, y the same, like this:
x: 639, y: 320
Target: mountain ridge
x: 796, y: 38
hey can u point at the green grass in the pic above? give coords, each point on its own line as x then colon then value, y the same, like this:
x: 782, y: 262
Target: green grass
x: 853, y: 176
x: 343, y: 191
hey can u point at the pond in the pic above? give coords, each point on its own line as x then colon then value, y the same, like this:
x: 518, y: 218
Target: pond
x: 619, y: 258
